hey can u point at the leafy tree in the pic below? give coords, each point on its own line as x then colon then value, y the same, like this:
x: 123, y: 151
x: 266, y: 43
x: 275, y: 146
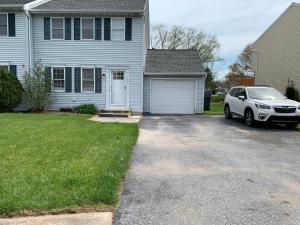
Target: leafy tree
x: 180, y: 37
x: 210, y: 82
x: 291, y: 92
x: 10, y: 91
x: 245, y: 58
x: 38, y: 89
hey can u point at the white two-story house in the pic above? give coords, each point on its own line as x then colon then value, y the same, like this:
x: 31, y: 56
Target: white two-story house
x: 96, y: 52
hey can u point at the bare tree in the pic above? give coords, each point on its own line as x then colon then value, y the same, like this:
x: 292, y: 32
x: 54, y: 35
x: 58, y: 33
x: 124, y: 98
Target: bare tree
x: 245, y: 58
x: 180, y: 37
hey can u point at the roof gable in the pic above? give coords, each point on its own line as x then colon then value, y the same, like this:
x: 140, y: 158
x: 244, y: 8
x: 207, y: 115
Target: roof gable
x: 183, y: 62
x: 275, y: 22
x: 93, y: 6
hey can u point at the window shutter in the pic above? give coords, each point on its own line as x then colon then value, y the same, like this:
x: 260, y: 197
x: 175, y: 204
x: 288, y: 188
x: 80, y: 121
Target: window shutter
x: 76, y: 28
x: 68, y: 28
x: 98, y: 27
x: 128, y: 29
x: 107, y: 29
x: 68, y: 79
x: 77, y: 80
x: 98, y: 80
x: 13, y: 69
x: 46, y: 28
x: 11, y: 25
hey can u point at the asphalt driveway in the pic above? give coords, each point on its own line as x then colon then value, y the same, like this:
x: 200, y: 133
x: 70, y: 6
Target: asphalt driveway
x: 206, y: 170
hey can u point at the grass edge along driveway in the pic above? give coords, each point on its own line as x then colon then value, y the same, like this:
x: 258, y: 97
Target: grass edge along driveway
x: 58, y: 163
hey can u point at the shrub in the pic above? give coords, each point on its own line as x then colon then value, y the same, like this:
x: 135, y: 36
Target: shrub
x: 291, y: 92
x: 10, y: 91
x: 86, y: 109
x: 38, y: 89
x: 217, y: 98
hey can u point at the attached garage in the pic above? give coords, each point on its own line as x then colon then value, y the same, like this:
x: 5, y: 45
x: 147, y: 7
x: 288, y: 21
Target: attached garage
x: 173, y: 82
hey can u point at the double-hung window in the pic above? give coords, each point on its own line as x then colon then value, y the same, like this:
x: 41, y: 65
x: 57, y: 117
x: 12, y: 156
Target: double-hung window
x: 57, y: 27
x: 118, y: 29
x: 3, y: 24
x: 58, y: 77
x: 88, y: 79
x: 87, y: 30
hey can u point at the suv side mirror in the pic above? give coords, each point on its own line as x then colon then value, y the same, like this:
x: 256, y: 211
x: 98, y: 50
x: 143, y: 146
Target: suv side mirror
x: 242, y: 98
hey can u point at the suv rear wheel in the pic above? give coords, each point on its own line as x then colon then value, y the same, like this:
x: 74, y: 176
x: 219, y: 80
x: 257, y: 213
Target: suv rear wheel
x: 227, y: 112
x: 249, y: 118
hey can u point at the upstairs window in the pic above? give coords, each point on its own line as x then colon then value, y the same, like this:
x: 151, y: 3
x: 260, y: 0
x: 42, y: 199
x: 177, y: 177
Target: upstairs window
x: 118, y: 29
x: 88, y: 79
x: 3, y: 25
x: 58, y: 76
x: 57, y: 26
x: 87, y: 30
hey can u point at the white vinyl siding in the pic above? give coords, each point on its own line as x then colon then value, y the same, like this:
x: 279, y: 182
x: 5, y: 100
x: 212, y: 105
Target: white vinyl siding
x: 57, y: 28
x: 3, y: 24
x: 98, y: 54
x: 14, y: 51
x: 58, y: 77
x: 87, y: 28
x: 88, y: 79
x: 118, y: 29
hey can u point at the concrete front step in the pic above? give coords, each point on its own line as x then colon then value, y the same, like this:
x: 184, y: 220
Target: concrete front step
x: 114, y: 113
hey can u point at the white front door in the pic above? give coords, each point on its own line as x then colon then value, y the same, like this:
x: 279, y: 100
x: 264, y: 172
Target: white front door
x: 118, y: 89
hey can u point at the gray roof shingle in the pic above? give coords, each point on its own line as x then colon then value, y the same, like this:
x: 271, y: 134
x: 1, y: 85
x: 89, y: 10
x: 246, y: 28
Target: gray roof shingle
x: 94, y: 5
x: 14, y: 2
x: 173, y: 61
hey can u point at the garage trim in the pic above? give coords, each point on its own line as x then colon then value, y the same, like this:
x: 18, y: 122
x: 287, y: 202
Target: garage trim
x: 179, y: 78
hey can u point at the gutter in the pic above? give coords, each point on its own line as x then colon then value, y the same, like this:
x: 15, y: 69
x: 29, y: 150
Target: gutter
x: 176, y: 74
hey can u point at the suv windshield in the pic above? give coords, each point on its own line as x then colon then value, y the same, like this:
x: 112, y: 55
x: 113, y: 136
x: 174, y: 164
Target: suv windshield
x: 265, y: 94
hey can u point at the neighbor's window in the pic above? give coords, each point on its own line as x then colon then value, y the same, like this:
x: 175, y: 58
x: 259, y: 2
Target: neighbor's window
x: 88, y: 79
x: 58, y: 76
x: 3, y: 24
x: 5, y: 68
x: 57, y: 28
x: 87, y: 30
x: 118, y: 29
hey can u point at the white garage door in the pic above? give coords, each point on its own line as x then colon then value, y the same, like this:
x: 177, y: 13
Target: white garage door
x: 173, y: 96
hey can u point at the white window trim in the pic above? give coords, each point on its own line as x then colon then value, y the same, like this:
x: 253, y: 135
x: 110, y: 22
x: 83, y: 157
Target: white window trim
x: 58, y: 67
x: 81, y: 28
x: 88, y: 67
x: 55, y: 39
x: 7, y: 25
x: 111, y: 28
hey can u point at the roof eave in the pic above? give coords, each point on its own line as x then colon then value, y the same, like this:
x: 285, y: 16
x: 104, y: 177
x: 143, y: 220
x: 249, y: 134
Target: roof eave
x: 12, y: 7
x: 87, y: 11
x: 175, y: 74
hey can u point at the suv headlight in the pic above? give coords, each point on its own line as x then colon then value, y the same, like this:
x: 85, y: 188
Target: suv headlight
x: 262, y: 106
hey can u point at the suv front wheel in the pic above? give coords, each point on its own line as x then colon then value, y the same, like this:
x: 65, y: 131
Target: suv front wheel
x: 227, y: 112
x: 249, y: 118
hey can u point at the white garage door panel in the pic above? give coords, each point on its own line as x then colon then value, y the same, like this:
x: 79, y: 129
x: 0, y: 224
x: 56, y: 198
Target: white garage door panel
x: 173, y: 96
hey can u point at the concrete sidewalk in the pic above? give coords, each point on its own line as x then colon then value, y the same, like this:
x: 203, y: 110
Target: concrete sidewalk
x: 104, y: 218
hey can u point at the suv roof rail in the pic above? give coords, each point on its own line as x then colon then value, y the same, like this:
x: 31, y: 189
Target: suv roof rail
x: 261, y: 86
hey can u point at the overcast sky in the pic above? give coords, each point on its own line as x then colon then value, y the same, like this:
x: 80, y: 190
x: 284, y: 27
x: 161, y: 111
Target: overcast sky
x: 234, y: 22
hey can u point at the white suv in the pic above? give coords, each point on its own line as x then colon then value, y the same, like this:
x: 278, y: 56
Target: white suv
x: 261, y: 104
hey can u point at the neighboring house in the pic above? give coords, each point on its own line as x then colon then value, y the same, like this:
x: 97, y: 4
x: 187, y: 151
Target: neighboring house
x: 276, y: 54
x: 96, y: 53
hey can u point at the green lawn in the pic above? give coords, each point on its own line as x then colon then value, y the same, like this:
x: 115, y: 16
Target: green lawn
x: 215, y: 109
x: 56, y: 163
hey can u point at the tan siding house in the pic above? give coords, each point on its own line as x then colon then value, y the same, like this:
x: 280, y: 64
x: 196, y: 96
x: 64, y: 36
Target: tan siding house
x: 276, y: 54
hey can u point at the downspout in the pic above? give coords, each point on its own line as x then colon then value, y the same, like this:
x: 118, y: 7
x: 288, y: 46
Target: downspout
x: 28, y: 38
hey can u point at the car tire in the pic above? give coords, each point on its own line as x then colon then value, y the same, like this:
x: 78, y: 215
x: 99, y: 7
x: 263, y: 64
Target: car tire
x: 292, y: 126
x: 227, y: 112
x: 249, y: 118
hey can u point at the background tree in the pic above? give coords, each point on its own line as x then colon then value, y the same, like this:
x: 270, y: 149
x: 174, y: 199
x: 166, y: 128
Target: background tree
x: 180, y: 37
x: 210, y: 82
x: 240, y: 69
